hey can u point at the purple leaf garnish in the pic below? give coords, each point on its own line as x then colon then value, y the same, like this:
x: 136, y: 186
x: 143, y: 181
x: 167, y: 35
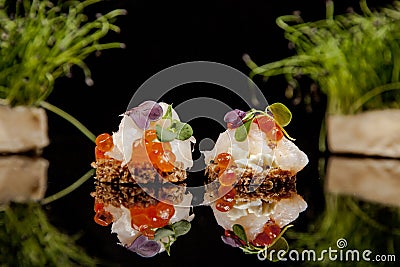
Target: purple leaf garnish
x: 153, y: 110
x: 141, y: 120
x: 234, y: 117
x: 233, y: 242
x: 137, y: 242
x: 144, y: 113
x: 148, y: 249
x: 145, y: 247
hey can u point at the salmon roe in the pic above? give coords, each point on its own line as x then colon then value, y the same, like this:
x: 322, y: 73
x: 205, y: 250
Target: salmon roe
x: 102, y: 217
x: 226, y: 202
x: 104, y: 142
x: 223, y: 160
x: 270, y: 232
x: 223, y: 205
x: 147, y: 219
x: 269, y: 127
x: 99, y: 154
x: 159, y: 153
x: 227, y: 178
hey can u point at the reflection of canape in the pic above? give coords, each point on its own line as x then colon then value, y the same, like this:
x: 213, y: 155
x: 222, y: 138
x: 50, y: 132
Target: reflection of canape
x: 143, y: 224
x: 252, y: 178
x: 151, y: 147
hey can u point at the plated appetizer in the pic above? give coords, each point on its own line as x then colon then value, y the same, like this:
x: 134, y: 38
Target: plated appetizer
x: 150, y: 137
x: 251, y: 175
x: 140, y: 174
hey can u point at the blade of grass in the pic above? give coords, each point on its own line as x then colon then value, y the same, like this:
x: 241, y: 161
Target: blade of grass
x: 70, y: 119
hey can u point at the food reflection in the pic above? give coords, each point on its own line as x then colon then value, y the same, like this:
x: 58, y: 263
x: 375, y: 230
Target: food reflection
x: 252, y: 182
x: 22, y: 178
x: 147, y: 219
x: 375, y: 180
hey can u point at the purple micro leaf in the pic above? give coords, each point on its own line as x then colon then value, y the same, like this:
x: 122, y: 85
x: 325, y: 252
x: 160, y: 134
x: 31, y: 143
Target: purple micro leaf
x: 233, y: 242
x: 148, y: 249
x: 234, y: 117
x: 152, y: 110
x: 139, y: 118
x: 144, y: 113
x: 137, y: 242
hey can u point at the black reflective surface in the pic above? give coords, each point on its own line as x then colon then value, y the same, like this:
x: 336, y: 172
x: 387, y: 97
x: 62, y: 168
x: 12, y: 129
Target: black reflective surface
x: 157, y: 37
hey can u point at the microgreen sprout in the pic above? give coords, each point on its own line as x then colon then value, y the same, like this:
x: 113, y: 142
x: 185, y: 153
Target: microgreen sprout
x: 277, y: 112
x: 169, y: 233
x: 176, y: 129
x: 239, y: 239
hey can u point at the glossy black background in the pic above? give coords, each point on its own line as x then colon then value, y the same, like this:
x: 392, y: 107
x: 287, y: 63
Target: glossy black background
x: 160, y: 34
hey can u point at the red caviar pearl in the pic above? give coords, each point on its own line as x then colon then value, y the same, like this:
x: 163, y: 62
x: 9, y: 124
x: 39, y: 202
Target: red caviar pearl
x: 230, y: 196
x: 104, y: 142
x: 99, y: 154
x: 227, y: 193
x: 264, y: 123
x: 165, y: 163
x: 98, y: 206
x: 155, y: 216
x: 268, y: 235
x: 227, y: 178
x: 147, y: 231
x: 103, y: 217
x: 164, y: 210
x: 275, y: 134
x: 150, y: 135
x: 223, y: 205
x: 140, y: 221
x: 223, y: 160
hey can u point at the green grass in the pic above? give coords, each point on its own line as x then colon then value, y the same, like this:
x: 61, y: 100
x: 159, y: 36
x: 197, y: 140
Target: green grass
x: 353, y: 58
x: 27, y: 238
x: 41, y: 41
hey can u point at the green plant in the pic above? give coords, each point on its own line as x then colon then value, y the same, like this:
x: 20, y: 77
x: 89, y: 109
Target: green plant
x: 40, y: 41
x: 353, y: 58
x: 27, y: 238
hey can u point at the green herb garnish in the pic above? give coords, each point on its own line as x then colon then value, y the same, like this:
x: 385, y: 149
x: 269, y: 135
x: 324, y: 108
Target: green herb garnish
x: 243, y: 130
x: 277, y: 112
x: 169, y: 233
x: 177, y: 130
x: 240, y: 232
x: 282, y: 114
